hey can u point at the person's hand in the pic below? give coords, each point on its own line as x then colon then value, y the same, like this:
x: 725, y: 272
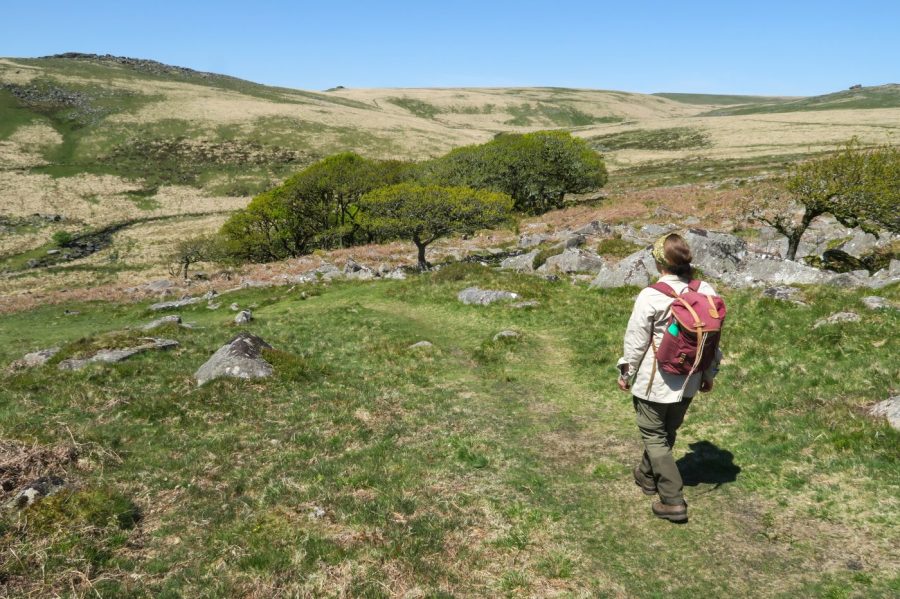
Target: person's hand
x: 623, y: 384
x: 706, y: 386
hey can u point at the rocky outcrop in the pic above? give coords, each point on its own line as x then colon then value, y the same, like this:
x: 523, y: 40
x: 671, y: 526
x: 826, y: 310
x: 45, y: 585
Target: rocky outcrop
x: 520, y: 263
x: 716, y: 254
x: 573, y: 260
x: 239, y: 358
x: 483, y: 297
x: 637, y: 269
x: 112, y: 356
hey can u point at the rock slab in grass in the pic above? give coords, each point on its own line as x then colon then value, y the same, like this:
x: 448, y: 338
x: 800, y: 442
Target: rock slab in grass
x: 483, y: 297
x: 890, y: 409
x: 421, y: 345
x: 188, y: 301
x: 506, y: 334
x: 785, y: 294
x: 874, y: 302
x: 34, y: 359
x: 239, y: 358
x: 112, y: 356
x: 159, y: 322
x: 243, y: 317
x: 837, y: 318
x: 38, y: 489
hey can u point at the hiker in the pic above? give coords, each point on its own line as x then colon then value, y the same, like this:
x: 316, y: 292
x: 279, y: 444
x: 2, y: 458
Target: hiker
x: 662, y: 376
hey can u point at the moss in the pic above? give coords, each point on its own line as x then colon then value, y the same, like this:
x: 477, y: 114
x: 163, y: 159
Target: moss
x: 616, y: 247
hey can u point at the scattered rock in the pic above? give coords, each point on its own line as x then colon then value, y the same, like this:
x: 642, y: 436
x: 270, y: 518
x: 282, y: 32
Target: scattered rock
x: 483, y: 297
x: 890, y: 409
x: 520, y: 263
x: 317, y: 513
x: 785, y: 294
x: 529, y: 241
x: 573, y: 260
x: 594, y: 227
x: 637, y: 269
x: 328, y: 272
x: 525, y: 304
x: 568, y: 239
x: 34, y: 359
x: 52, y: 252
x: 243, y: 317
x: 159, y: 322
x: 837, y: 318
x: 210, y: 294
x: 874, y: 302
x: 112, y: 356
x: 239, y: 358
x: 71, y: 312
x: 38, y: 489
x: 234, y: 307
x: 397, y: 274
x: 213, y: 306
x: 421, y: 344
x: 506, y: 334
x: 174, y: 304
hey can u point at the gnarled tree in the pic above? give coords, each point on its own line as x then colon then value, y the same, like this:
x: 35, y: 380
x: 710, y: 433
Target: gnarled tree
x: 425, y: 213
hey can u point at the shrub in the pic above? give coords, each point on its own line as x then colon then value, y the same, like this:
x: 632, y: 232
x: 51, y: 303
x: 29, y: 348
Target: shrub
x: 62, y: 238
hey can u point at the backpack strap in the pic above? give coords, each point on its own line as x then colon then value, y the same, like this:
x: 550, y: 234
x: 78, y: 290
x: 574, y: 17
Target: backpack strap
x: 694, y: 285
x: 664, y: 288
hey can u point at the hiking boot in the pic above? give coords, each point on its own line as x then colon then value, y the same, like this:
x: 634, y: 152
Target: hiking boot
x: 646, y: 484
x: 672, y: 513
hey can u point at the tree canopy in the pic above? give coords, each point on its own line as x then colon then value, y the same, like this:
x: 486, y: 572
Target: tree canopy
x: 535, y: 169
x: 424, y: 213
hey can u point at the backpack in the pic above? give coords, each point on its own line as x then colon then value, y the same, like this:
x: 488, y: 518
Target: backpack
x: 692, y: 331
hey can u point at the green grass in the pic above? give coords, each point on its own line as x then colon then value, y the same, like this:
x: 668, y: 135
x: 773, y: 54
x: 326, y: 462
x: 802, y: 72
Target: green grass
x: 617, y: 247
x: 472, y: 468
x: 720, y: 99
x: 416, y: 107
x: 674, y: 138
x: 560, y: 115
x: 883, y: 96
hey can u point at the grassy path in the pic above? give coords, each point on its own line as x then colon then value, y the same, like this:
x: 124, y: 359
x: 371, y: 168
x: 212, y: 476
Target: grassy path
x: 472, y: 468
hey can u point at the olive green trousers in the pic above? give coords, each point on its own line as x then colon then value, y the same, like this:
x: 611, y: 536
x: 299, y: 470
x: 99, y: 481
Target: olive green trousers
x: 658, y: 424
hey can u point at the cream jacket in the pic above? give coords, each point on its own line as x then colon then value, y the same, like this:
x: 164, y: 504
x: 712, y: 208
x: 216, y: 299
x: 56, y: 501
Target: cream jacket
x: 651, y: 311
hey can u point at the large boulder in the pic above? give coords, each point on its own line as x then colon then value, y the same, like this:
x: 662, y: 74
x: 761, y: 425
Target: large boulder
x: 759, y: 269
x: 112, y: 356
x: 573, y: 260
x: 715, y: 253
x: 531, y: 240
x: 483, y: 297
x: 239, y: 358
x: 637, y: 269
x: 520, y: 263
x: 568, y: 239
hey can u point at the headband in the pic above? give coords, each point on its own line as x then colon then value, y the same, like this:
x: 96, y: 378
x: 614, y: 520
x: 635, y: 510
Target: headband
x: 659, y: 252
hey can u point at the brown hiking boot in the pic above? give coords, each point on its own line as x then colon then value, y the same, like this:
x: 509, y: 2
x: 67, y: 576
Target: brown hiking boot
x: 646, y: 485
x: 672, y: 513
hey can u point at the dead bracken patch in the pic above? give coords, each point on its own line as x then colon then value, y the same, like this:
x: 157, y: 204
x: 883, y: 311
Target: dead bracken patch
x: 21, y: 463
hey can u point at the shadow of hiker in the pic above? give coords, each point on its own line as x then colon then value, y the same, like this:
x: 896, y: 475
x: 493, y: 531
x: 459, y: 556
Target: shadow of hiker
x: 707, y: 464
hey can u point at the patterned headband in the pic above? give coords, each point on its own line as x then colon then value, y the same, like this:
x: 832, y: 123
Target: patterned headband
x: 659, y: 251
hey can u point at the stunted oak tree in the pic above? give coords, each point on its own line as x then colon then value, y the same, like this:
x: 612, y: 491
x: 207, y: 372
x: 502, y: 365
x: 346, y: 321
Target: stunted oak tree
x: 425, y: 213
x: 859, y: 187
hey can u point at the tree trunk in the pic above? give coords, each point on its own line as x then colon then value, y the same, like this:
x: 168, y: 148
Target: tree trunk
x: 423, y: 263
x: 797, y: 233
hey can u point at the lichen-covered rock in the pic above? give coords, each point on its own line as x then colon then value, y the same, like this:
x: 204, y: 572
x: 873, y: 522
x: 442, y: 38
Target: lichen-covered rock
x: 520, y: 263
x: 715, y: 253
x: 38, y: 489
x: 757, y: 269
x: 785, y: 294
x: 874, y: 302
x: 890, y: 409
x: 506, y: 334
x: 34, y: 359
x: 239, y: 358
x: 573, y: 260
x: 243, y: 317
x: 594, y: 227
x: 529, y: 241
x: 637, y: 269
x: 159, y: 322
x: 483, y: 297
x: 112, y: 356
x: 840, y: 317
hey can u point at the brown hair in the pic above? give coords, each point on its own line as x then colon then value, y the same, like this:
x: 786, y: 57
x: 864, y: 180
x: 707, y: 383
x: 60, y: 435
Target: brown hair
x: 678, y: 255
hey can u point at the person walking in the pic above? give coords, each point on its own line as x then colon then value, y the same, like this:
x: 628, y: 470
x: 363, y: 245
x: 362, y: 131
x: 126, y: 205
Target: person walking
x: 660, y: 397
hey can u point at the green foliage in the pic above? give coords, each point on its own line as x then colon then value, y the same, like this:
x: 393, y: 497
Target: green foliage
x: 545, y: 253
x: 424, y: 213
x: 616, y: 247
x: 417, y: 107
x: 535, y: 169
x: 316, y: 208
x: 62, y: 238
x: 882, y: 96
x: 205, y: 248
x: 674, y: 138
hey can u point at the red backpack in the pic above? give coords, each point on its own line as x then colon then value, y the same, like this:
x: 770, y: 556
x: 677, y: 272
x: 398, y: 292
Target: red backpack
x: 692, y: 332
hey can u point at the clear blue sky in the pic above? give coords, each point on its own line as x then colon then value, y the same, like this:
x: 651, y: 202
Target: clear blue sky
x: 781, y: 48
